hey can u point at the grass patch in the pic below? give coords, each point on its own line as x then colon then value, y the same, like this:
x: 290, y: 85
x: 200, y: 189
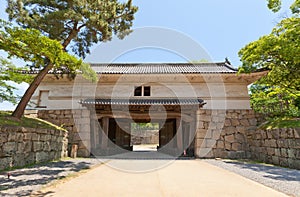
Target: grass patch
x: 281, y: 123
x: 7, y: 120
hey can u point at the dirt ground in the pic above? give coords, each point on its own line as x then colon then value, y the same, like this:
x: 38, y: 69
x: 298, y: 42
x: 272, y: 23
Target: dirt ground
x: 176, y: 178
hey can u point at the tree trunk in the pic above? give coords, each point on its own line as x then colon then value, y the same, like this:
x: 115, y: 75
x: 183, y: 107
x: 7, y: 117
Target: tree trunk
x: 19, y: 111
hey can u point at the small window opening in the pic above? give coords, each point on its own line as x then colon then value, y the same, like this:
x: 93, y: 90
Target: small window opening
x: 147, y: 91
x: 138, y: 91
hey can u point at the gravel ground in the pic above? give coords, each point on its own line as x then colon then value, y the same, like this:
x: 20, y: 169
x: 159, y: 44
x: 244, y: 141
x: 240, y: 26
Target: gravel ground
x: 24, y: 181
x: 281, y: 179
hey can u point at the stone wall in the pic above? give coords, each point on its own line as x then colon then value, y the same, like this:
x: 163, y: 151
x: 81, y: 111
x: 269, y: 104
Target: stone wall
x: 76, y: 122
x: 144, y: 137
x: 20, y: 146
x: 276, y: 146
x: 222, y: 133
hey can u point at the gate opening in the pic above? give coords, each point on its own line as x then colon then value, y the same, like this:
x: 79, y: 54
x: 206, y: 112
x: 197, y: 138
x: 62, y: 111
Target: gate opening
x: 144, y: 137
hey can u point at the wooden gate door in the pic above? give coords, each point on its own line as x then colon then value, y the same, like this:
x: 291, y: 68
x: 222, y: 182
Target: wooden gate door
x: 123, y: 134
x: 167, y: 132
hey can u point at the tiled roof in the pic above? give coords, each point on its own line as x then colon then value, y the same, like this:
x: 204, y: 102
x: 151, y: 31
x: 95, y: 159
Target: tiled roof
x: 163, y: 68
x: 154, y: 68
x: 149, y: 102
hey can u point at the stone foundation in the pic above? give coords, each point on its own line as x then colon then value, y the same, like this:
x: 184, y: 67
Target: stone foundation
x: 20, y: 146
x: 277, y: 146
x: 222, y: 133
x: 76, y: 122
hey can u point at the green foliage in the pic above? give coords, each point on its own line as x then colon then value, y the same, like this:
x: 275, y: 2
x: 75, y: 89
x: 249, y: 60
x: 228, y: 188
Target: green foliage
x: 275, y: 6
x: 51, y: 27
x: 295, y: 7
x: 84, y: 22
x: 273, y: 101
x: 7, y: 120
x: 31, y: 46
x: 278, y: 93
x: 279, y: 52
x: 10, y: 73
x: 144, y: 126
x: 281, y: 123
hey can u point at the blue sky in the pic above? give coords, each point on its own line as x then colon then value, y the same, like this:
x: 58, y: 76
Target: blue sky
x: 220, y: 27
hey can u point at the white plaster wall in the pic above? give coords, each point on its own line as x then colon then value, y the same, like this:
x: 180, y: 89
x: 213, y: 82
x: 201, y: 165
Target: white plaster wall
x: 66, y: 95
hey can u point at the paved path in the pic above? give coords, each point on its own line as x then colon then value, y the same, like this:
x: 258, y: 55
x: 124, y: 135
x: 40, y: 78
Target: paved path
x: 178, y: 178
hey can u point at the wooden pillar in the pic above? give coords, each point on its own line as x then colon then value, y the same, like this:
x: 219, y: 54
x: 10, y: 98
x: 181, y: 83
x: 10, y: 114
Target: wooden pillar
x: 93, y: 134
x: 192, y: 131
x: 179, y: 134
x: 105, y: 127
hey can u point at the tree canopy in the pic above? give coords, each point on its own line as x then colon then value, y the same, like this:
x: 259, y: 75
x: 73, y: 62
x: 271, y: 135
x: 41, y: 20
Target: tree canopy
x: 31, y: 46
x: 79, y: 22
x: 278, y: 93
x: 50, y: 28
x: 275, y: 6
x: 9, y: 73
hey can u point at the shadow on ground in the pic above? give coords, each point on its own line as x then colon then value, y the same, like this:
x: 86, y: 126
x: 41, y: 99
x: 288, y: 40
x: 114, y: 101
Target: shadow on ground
x: 24, y: 181
x: 273, y: 172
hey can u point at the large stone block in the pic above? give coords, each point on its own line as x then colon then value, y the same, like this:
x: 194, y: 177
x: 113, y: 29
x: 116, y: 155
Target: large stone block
x: 235, y: 122
x: 37, y: 146
x: 230, y: 130
x: 270, y: 151
x: 19, y: 159
x: 244, y: 122
x: 292, y: 153
x: 219, y: 153
x: 27, y: 146
x: 241, y: 129
x: 199, y: 143
x: 273, y: 143
x: 3, y: 137
x: 277, y: 152
x: 230, y: 138
x: 46, y: 138
x: 253, y: 121
x: 283, y: 152
x: 46, y: 146
x: 12, y: 136
x: 21, y: 147
x: 236, y: 146
x: 9, y: 148
x: 41, y: 157
x: 275, y: 160
x: 227, y: 145
x: 236, y: 154
x: 297, y: 154
x: 240, y: 138
x: 6, y: 162
x: 27, y: 136
x: 276, y: 133
x: 202, y: 133
x: 283, y: 162
x: 35, y: 137
x: 210, y: 143
x: 220, y: 144
x: 227, y: 123
x: 297, y: 133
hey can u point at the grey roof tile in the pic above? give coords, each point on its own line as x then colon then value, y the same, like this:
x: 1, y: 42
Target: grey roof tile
x: 167, y: 68
x: 150, y: 101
